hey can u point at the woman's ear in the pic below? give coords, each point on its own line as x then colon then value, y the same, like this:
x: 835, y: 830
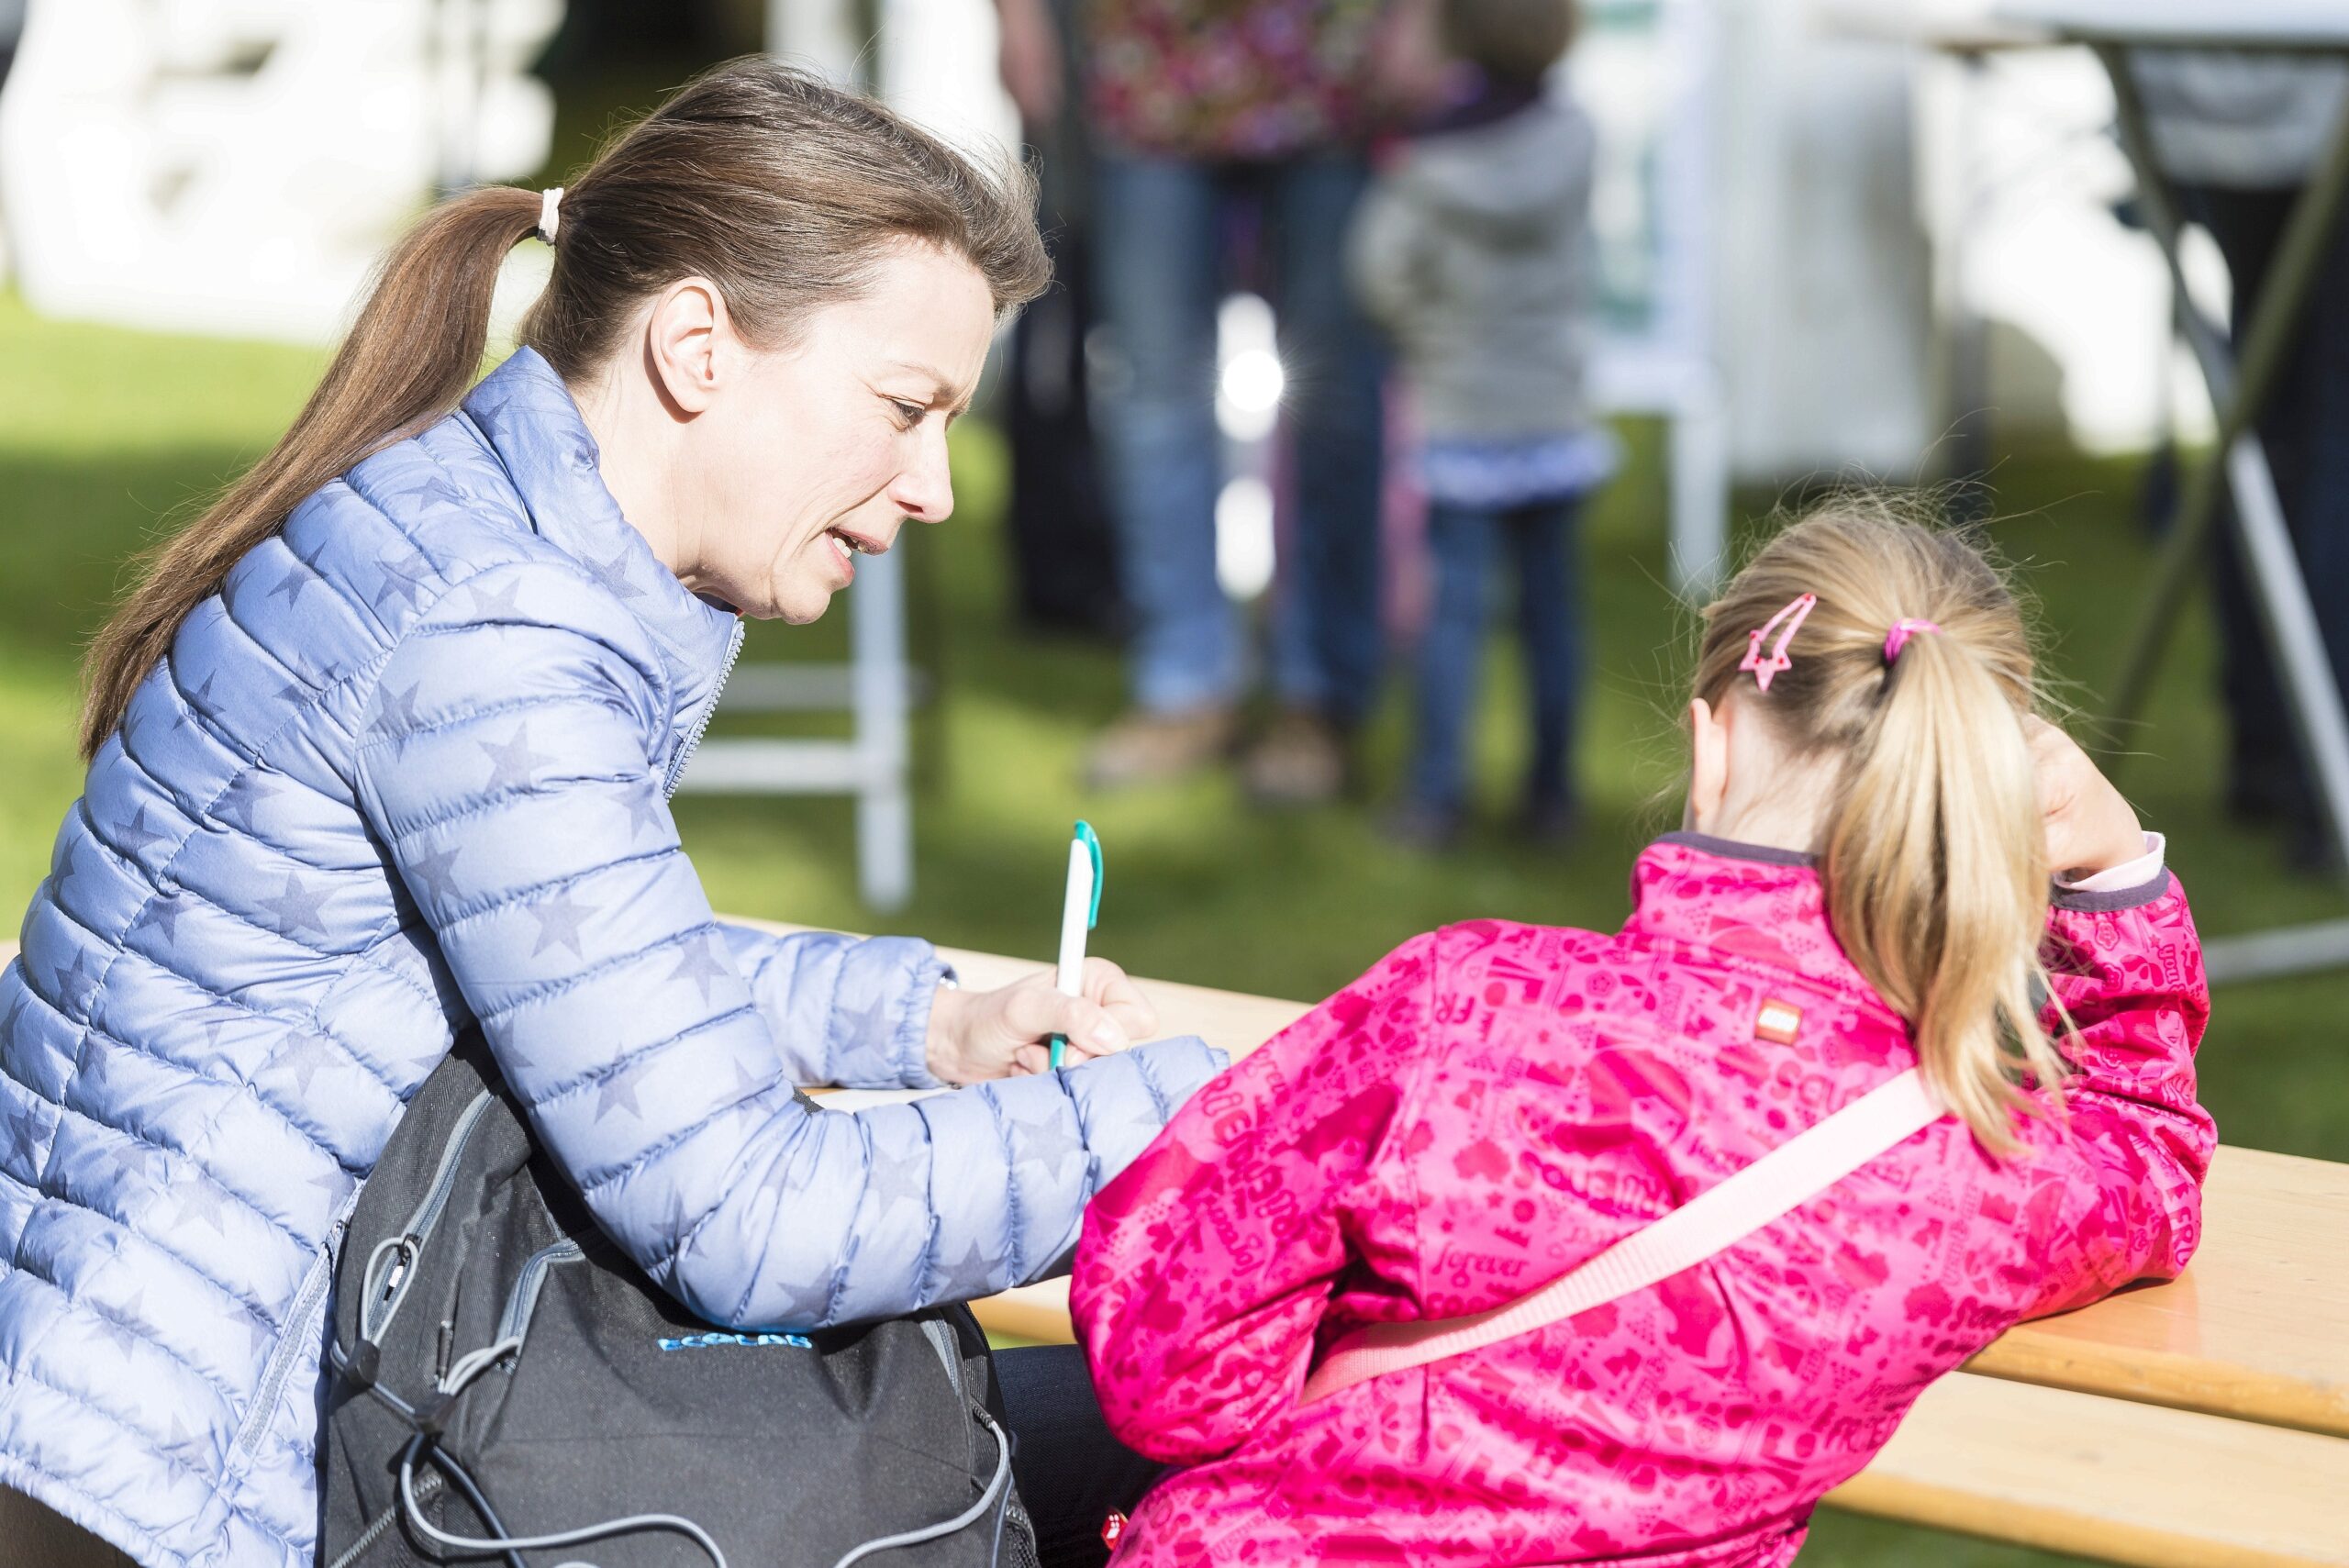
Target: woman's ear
x: 688, y: 340
x: 1708, y: 766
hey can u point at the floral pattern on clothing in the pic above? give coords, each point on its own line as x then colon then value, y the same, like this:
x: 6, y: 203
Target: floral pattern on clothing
x: 1493, y: 1104
x: 1238, y: 79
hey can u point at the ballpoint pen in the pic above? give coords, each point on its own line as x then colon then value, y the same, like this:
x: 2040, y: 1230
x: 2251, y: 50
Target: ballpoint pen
x: 1079, y: 911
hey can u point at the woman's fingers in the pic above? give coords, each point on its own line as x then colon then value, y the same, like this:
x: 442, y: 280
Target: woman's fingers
x: 1034, y: 1010
x: 1110, y: 986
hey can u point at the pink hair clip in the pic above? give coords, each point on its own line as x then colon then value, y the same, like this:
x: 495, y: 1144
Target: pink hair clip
x: 1902, y: 630
x: 1765, y: 668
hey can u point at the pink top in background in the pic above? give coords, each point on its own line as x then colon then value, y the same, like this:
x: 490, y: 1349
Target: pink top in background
x: 1493, y: 1104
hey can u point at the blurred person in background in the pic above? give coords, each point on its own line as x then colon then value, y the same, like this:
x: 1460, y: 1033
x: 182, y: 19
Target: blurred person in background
x: 2240, y: 135
x: 1472, y: 250
x: 1191, y: 106
x: 1063, y: 559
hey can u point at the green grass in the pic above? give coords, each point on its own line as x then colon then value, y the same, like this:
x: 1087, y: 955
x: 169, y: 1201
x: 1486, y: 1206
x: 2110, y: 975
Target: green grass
x: 104, y: 435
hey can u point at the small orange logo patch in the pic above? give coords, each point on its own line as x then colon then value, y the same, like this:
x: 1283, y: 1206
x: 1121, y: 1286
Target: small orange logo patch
x: 1778, y: 1022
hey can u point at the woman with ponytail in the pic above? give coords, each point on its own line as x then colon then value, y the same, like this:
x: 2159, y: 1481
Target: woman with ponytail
x: 1543, y: 1246
x: 379, y: 751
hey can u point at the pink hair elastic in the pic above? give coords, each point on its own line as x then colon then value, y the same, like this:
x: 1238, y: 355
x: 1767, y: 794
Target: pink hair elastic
x: 1764, y: 668
x: 1902, y: 630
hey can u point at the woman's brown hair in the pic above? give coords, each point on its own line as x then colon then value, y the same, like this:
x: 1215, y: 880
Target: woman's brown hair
x: 780, y: 188
x: 1932, y: 852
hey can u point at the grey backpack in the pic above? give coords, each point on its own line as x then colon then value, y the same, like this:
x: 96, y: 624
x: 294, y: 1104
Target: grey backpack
x: 506, y: 1381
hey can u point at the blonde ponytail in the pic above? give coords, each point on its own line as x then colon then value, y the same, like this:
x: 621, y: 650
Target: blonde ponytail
x: 1931, y: 849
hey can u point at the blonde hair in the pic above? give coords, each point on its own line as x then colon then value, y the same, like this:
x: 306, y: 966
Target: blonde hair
x: 1932, y: 852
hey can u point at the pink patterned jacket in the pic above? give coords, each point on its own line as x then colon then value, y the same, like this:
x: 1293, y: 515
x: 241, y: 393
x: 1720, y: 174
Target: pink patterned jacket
x: 1493, y: 1103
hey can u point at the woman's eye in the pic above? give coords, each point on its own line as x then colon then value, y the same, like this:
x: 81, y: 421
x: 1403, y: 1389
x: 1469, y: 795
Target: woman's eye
x: 908, y: 414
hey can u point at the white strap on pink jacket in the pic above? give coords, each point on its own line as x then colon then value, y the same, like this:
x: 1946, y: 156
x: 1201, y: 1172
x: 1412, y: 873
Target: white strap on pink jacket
x: 1789, y: 1176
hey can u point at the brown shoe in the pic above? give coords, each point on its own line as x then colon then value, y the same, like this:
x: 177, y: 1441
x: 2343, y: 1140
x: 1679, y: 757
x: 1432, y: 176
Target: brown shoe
x: 1145, y: 748
x: 1301, y: 760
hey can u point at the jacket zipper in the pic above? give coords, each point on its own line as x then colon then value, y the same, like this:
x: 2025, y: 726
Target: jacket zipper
x: 281, y: 1361
x: 420, y: 1224
x: 425, y: 1490
x: 692, y: 736
x: 522, y: 1301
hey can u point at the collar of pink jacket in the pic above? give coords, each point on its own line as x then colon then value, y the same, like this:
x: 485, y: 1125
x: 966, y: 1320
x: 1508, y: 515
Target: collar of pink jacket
x: 1742, y: 901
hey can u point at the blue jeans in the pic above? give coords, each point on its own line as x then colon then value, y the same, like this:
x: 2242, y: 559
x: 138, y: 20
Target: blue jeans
x: 1159, y: 276
x: 1466, y: 542
x: 1072, y: 1473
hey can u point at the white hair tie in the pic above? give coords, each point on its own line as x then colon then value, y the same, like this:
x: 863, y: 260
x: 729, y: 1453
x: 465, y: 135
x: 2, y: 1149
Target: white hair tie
x: 549, y: 218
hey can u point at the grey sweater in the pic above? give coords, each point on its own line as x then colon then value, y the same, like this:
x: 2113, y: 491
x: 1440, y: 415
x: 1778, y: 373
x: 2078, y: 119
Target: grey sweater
x: 1472, y: 251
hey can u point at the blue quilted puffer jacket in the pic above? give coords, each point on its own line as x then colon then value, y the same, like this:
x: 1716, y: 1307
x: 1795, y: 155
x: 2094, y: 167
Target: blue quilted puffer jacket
x: 406, y: 771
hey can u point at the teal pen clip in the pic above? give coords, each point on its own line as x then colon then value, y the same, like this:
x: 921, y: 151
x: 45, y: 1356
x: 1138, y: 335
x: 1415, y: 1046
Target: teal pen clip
x: 1080, y: 912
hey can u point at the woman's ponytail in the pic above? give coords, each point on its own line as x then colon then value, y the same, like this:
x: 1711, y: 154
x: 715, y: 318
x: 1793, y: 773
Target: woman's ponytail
x: 1931, y: 850
x: 410, y: 356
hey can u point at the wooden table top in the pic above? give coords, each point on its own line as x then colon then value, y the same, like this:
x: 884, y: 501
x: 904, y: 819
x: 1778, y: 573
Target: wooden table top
x: 2257, y: 1329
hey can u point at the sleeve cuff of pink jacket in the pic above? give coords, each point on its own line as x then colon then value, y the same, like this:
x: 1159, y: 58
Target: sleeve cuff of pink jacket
x: 2132, y: 881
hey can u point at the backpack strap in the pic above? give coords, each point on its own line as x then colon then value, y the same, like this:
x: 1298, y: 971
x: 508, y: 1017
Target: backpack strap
x: 1720, y: 1216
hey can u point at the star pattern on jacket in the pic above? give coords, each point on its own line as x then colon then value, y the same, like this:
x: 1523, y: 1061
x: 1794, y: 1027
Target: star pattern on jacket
x: 613, y: 576
x: 401, y: 579
x: 98, y: 1063
x: 297, y: 577
x: 162, y: 914
x: 699, y: 961
x: 891, y: 1179
x: 114, y: 1324
x: 396, y: 722
x: 12, y: 1024
x: 1047, y: 1142
x: 617, y: 1092
x: 300, y: 907
x: 136, y: 835
x: 23, y: 1132
x: 971, y: 1275
x: 643, y: 807
x: 560, y: 916
x: 197, y: 1198
x: 194, y: 705
x: 501, y: 606
x: 513, y: 764
x: 433, y: 873
x: 246, y: 797
x: 74, y: 979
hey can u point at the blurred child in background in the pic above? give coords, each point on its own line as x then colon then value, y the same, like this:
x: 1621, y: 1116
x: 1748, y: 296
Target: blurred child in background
x: 1470, y: 250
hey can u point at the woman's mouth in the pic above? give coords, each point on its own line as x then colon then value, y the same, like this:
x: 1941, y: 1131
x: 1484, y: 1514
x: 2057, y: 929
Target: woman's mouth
x: 851, y: 546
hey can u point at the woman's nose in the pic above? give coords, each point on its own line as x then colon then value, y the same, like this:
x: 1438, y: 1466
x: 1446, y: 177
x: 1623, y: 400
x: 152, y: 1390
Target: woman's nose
x: 924, y: 491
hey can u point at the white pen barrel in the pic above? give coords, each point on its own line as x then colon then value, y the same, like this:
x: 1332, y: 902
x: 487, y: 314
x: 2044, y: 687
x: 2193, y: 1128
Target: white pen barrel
x: 1076, y: 914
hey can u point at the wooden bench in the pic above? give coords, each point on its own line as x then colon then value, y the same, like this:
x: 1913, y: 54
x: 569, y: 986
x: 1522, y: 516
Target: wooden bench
x: 2202, y: 1423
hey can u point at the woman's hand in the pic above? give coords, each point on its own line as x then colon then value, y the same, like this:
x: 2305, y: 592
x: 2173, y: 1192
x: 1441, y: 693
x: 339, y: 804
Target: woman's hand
x: 2089, y: 827
x: 977, y: 1035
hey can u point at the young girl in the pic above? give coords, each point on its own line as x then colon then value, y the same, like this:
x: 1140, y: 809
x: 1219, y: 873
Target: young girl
x: 1471, y: 250
x: 1864, y: 888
